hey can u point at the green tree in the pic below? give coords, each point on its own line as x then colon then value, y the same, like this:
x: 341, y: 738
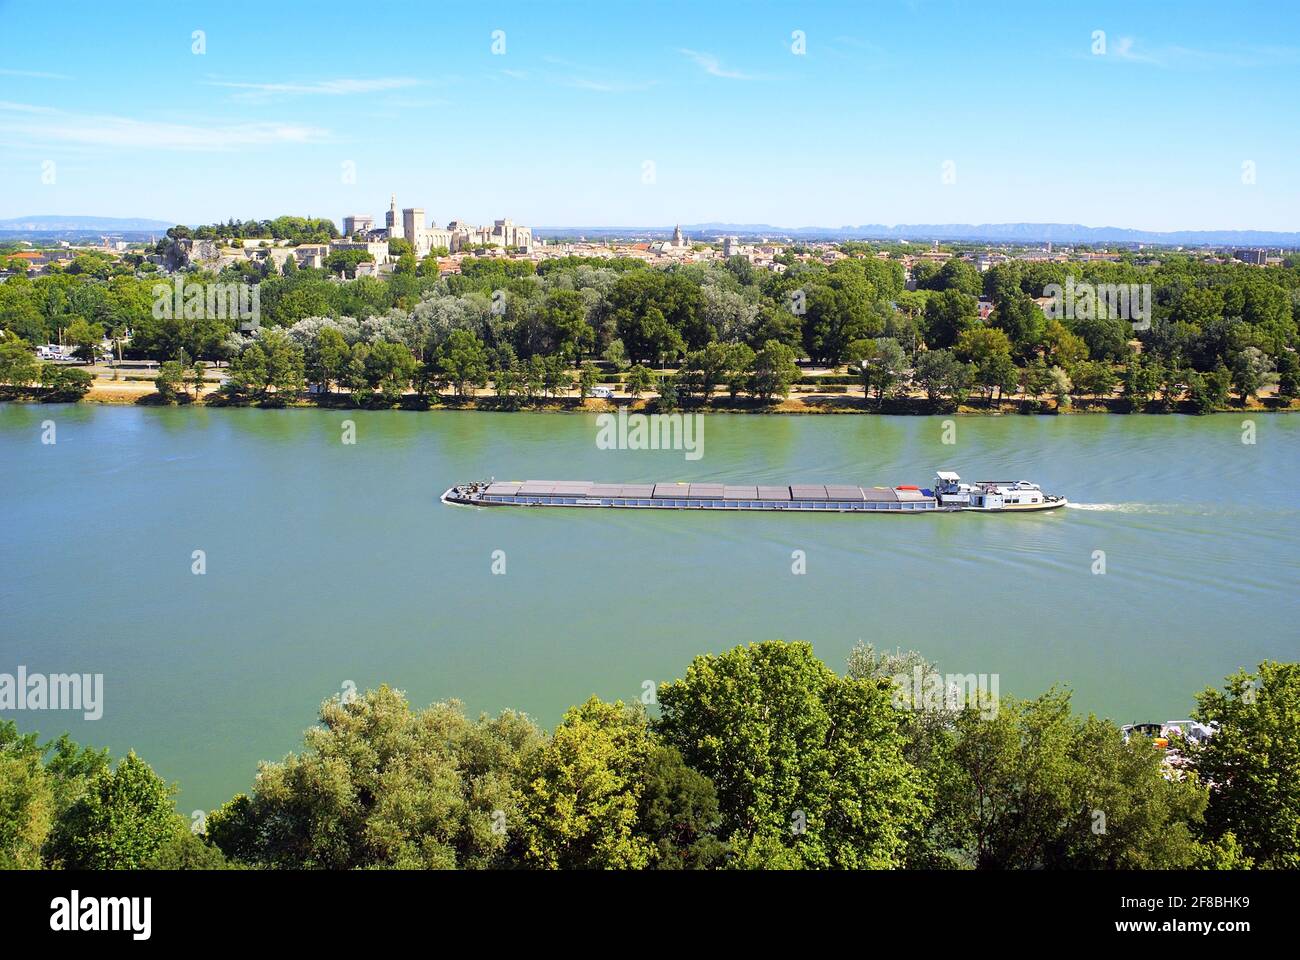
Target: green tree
x: 1094, y: 378
x: 947, y: 315
x: 1035, y: 378
x: 989, y: 351
x: 86, y: 337
x: 193, y: 377
x: 1139, y: 382
x: 740, y: 363
x: 1023, y: 323
x: 1107, y: 337
x: 272, y: 367
x: 581, y: 792
x: 380, y: 785
x: 678, y: 812
x: 838, y: 312
x: 1288, y: 380
x: 1248, y: 369
x: 563, y: 316
x: 555, y: 375
x: 27, y: 800
x: 344, y: 262
x: 1252, y: 762
x: 669, y: 393
x: 65, y: 384
x: 588, y: 374
x: 714, y: 364
x: 463, y: 361
x: 170, y: 380
x: 355, y: 377
x: 882, y: 363
x: 390, y: 367
x: 796, y: 754
x: 639, y: 380
x: 120, y: 823
x: 774, y: 370
x: 508, y: 385
x: 1061, y: 385
x: 1208, y: 391
x: 1061, y: 347
x: 941, y: 374
x: 1028, y: 785
x: 959, y: 275
x: 20, y: 312
x: 327, y: 358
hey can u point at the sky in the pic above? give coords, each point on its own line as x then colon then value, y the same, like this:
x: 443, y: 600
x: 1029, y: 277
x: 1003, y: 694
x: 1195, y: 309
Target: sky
x: 1156, y: 116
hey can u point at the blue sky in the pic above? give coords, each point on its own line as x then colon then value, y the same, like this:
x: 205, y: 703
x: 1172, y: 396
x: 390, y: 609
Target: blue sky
x: 558, y: 129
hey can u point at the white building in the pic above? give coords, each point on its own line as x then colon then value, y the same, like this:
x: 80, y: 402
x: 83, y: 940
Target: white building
x: 412, y: 225
x: 357, y: 223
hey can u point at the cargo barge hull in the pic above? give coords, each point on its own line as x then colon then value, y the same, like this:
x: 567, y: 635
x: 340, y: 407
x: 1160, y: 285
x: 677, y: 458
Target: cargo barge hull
x: 808, y: 498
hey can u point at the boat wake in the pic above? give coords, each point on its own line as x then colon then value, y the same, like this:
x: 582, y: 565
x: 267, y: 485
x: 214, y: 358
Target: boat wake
x: 1122, y: 507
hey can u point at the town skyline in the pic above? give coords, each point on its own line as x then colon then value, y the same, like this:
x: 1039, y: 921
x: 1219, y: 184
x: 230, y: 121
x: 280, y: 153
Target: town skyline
x: 905, y: 113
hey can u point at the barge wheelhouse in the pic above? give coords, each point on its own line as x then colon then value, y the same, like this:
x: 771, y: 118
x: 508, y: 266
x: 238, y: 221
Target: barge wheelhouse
x: 993, y: 495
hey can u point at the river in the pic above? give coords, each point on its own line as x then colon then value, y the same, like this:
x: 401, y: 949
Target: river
x: 331, y: 565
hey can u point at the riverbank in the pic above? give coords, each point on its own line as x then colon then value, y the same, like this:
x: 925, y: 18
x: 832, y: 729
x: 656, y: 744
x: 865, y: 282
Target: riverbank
x: 802, y: 400
x: 119, y: 392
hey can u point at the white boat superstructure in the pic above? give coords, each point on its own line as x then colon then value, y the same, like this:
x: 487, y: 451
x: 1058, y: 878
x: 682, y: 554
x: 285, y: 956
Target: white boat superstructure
x: 992, y: 496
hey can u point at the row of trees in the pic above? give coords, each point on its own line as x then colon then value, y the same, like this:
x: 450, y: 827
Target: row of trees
x: 372, y: 362
x: 293, y: 229
x: 761, y: 757
x: 1205, y: 318
x: 1201, y: 313
x: 20, y: 369
x: 67, y: 806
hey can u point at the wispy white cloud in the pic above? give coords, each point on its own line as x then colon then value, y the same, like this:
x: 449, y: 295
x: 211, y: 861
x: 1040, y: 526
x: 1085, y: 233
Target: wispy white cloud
x: 339, y: 87
x: 578, y: 76
x: 51, y: 127
x: 606, y: 86
x: 36, y: 74
x: 12, y: 107
x: 409, y: 103
x: 712, y: 66
x: 1129, y: 49
x: 1126, y: 48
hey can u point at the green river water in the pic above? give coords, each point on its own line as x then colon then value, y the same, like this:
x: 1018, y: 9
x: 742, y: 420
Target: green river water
x: 331, y: 564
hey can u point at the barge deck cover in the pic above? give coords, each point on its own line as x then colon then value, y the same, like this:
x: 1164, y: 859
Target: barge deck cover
x: 750, y: 496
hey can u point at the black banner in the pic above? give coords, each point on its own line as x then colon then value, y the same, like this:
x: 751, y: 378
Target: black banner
x: 264, y: 908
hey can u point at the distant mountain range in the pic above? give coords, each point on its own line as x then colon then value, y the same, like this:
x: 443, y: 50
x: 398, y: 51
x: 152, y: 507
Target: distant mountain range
x: 65, y: 224
x: 1013, y: 233
x: 1010, y: 233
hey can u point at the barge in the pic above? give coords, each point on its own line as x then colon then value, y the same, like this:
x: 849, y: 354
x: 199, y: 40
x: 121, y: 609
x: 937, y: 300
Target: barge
x: 949, y: 494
